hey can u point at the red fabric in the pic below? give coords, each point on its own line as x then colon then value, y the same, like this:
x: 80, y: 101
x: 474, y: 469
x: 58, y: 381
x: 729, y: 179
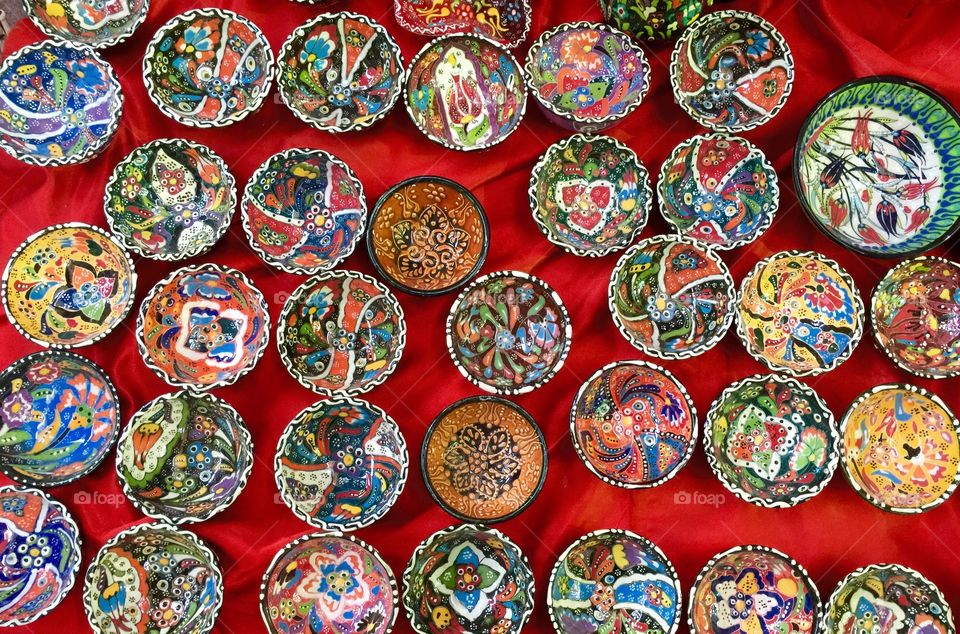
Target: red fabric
x: 831, y: 535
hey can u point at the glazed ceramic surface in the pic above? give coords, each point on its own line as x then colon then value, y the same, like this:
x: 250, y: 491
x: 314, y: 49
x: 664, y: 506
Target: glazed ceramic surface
x: 506, y: 21
x: 170, y: 199
x: 99, y: 24
x: 651, y: 19
x: 877, y: 167
x: 671, y: 297
x: 508, y: 332
x: 68, y: 286
x: 590, y: 195
x: 633, y: 424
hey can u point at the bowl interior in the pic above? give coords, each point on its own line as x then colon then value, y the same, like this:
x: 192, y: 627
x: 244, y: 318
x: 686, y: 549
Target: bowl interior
x: 98, y: 24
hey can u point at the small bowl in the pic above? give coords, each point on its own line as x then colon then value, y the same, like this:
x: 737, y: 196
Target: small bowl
x: 508, y: 332
x: 808, y: 323
x: 900, y: 447
x: 500, y: 598
x: 74, y: 109
x: 203, y: 326
x: 505, y: 21
x: 719, y: 189
x: 341, y: 464
x: 68, y: 286
x: 341, y: 332
x: 40, y: 554
x: 586, y: 76
x: 170, y: 199
x: 96, y: 24
x: 671, y: 297
x: 208, y: 68
x: 633, y: 424
x: 731, y: 71
x: 428, y: 235
x: 304, y: 211
x: 59, y: 418
x: 651, y: 19
x: 484, y: 459
x: 370, y: 602
x: 877, y: 167
x: 477, y: 75
x: 590, y: 195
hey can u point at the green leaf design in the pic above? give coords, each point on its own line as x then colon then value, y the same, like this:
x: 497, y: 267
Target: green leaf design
x: 13, y: 437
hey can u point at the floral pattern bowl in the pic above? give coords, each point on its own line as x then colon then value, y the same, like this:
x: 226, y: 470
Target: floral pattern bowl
x: 506, y: 21
x: 92, y: 22
x: 652, y: 19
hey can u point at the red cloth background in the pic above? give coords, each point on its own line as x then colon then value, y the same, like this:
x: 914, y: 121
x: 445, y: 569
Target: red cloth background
x: 831, y: 535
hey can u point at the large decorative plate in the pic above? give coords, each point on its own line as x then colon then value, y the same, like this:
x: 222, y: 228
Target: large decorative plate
x: 652, y: 19
x: 99, y: 24
x: 506, y: 21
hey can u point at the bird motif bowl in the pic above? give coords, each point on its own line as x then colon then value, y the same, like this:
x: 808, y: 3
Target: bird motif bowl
x: 92, y: 22
x: 652, y: 19
x: 506, y: 21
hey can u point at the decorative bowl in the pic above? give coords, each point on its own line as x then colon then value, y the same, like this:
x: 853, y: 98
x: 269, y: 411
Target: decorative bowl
x: 208, y: 68
x: 465, y: 92
x: 633, y: 424
x: 98, y: 24
x: 506, y: 21
x: 731, y: 71
x: 720, y: 189
x: 68, y: 286
x: 586, y: 76
x: 170, y: 199
x: 590, y: 195
x: 652, y: 19
x: 60, y: 104
x: 877, y: 167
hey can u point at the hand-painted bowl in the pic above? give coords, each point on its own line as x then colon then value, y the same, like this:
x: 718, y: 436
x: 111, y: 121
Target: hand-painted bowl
x: 170, y: 199
x: 468, y: 578
x: 341, y: 332
x: 68, y: 286
x: 633, y: 424
x: 506, y: 21
x: 586, y: 76
x: 508, y: 332
x: 671, y: 297
x: 590, y: 195
x: 58, y: 420
x: 153, y: 578
x: 719, y: 189
x: 60, y: 104
x: 341, y: 464
x: 877, y: 167
x: 771, y: 440
x: 900, y: 448
x: 98, y: 24
x: 360, y: 591
x: 614, y: 581
x: 428, y: 235
x: 203, y: 326
x: 651, y: 19
x: 304, y: 211
x: 208, y: 68
x: 184, y: 457
x: 465, y: 92
x: 40, y: 551
x: 799, y: 313
x: 484, y: 459
x: 731, y: 71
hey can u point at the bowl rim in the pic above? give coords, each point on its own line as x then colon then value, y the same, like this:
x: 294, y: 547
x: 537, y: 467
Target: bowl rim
x: 606, y: 9
x: 123, y: 35
x: 420, y: 30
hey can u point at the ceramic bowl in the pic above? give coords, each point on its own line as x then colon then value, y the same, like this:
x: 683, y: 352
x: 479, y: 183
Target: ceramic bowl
x: 731, y: 71
x: 208, y: 68
x: 62, y: 104
x: 877, y: 167
x: 586, y: 76
x: 719, y: 189
x: 184, y: 457
x: 341, y: 332
x: 590, y: 195
x: 671, y: 297
x: 203, y: 326
x: 68, y: 286
x: 304, y: 211
x: 98, y: 24
x: 633, y: 424
x: 465, y: 92
x: 40, y: 554
x: 799, y: 313
x: 428, y: 235
x: 614, y: 580
x: 170, y: 199
x: 59, y: 418
x: 497, y: 595
x: 341, y: 464
x: 652, y: 19
x: 508, y: 332
x: 369, y: 603
x: 900, y: 448
x: 506, y: 21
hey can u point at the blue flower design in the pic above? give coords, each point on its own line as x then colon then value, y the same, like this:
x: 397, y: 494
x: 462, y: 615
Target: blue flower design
x: 317, y: 51
x: 205, y: 285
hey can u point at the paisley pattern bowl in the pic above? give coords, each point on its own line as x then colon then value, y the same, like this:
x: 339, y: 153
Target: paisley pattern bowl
x: 651, y: 19
x: 93, y: 22
x: 506, y: 21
